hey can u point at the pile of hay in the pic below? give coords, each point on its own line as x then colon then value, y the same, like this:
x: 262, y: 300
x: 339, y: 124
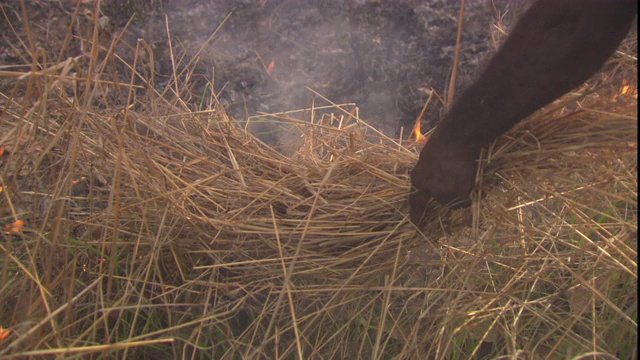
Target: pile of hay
x: 152, y: 230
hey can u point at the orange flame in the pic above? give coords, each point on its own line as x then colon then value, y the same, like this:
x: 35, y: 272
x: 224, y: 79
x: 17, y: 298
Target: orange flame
x: 4, y: 333
x: 418, y: 131
x: 14, y: 227
x: 420, y: 137
x: 626, y: 90
x: 272, y: 64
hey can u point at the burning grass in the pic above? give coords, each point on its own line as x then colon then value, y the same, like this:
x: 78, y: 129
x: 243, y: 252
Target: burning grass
x: 152, y: 230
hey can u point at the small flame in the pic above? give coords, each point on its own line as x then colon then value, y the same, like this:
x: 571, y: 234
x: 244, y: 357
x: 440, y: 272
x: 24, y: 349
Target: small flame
x: 14, y: 227
x: 420, y: 137
x: 626, y: 90
x: 76, y: 182
x: 4, y: 333
x: 418, y: 131
x: 272, y: 64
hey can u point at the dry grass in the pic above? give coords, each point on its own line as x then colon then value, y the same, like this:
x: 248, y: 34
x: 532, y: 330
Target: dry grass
x: 156, y: 231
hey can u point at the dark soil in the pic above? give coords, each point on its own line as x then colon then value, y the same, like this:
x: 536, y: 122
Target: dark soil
x: 385, y: 56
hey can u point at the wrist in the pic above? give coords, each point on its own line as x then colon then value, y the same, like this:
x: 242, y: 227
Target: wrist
x: 451, y: 145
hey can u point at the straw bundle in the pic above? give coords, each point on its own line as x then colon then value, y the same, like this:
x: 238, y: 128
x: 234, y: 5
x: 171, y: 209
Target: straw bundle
x: 157, y: 231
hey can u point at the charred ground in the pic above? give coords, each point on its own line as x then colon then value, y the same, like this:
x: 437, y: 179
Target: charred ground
x: 387, y: 57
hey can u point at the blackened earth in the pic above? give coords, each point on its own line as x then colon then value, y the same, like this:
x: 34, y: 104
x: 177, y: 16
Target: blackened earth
x: 385, y: 56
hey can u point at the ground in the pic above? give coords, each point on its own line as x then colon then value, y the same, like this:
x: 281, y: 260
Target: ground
x: 138, y: 222
x: 387, y: 57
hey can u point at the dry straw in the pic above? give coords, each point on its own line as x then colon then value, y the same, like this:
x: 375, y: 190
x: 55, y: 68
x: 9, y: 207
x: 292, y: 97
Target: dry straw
x: 156, y: 231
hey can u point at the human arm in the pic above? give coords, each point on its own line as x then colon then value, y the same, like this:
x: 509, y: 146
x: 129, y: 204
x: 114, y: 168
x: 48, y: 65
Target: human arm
x: 556, y: 46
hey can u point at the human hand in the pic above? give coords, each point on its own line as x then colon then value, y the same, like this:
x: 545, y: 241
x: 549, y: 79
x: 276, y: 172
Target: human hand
x: 445, y: 173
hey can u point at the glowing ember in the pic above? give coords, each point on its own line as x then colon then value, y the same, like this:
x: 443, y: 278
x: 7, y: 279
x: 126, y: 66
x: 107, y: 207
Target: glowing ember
x: 626, y: 90
x: 14, y: 227
x: 4, y: 333
x: 272, y: 64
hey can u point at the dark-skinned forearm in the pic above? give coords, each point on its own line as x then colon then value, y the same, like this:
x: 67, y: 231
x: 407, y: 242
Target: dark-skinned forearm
x: 555, y: 47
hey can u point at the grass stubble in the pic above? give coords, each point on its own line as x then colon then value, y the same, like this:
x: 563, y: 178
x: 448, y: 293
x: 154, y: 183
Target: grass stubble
x: 153, y: 229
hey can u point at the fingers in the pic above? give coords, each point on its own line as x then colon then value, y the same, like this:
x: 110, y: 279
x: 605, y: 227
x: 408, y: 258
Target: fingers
x: 448, y: 182
x: 456, y: 200
x: 418, y: 201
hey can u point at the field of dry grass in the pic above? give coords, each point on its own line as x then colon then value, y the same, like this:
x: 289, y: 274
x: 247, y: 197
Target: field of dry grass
x: 136, y: 225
